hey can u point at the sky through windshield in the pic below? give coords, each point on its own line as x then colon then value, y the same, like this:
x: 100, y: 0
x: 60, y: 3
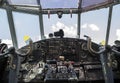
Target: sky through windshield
x: 93, y: 23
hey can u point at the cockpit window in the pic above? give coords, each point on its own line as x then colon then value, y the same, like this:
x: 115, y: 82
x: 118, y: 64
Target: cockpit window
x: 94, y: 24
x: 115, y: 25
x: 85, y: 4
x: 67, y: 23
x: 47, y: 3
x: 23, y: 2
x: 26, y: 25
x: 4, y: 29
x: 59, y: 3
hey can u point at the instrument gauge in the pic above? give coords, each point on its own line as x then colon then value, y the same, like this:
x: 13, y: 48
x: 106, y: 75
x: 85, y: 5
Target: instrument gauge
x: 83, y: 55
x: 38, y: 46
x: 84, y: 46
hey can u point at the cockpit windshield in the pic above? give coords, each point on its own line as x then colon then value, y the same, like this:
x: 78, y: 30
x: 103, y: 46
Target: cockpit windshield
x: 39, y: 18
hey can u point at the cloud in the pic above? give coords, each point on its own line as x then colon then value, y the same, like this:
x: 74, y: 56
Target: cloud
x: 69, y: 31
x: 76, y: 25
x: 84, y: 26
x: 46, y: 36
x: 118, y: 34
x: 93, y: 27
x: 8, y: 42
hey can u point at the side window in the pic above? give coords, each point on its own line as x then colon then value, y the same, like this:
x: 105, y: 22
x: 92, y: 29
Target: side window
x: 4, y: 29
x: 94, y: 24
x: 115, y: 25
x: 26, y: 25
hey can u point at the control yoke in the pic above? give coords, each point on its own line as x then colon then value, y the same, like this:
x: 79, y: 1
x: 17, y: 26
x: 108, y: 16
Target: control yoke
x: 104, y: 48
x: 89, y: 46
x: 13, y: 51
x: 107, y: 70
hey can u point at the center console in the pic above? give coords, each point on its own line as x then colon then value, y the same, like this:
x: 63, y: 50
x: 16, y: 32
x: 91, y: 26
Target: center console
x: 61, y: 72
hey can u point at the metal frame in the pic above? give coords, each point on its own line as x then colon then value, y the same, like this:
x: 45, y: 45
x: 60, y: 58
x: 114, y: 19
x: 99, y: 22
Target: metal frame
x: 107, y: 69
x: 13, y: 73
x: 41, y: 26
x: 79, y: 19
x: 41, y: 20
x: 109, y: 24
x: 78, y: 25
x: 35, y: 9
x: 12, y: 27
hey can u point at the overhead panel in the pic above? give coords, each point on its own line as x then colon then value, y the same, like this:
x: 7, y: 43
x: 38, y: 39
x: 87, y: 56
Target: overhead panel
x: 47, y: 3
x: 59, y: 3
x: 86, y: 4
x: 23, y: 2
x: 94, y: 4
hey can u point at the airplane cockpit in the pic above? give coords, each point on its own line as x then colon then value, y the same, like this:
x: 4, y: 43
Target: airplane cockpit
x: 58, y: 58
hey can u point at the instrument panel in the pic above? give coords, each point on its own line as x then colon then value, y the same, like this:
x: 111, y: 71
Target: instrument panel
x: 64, y: 60
x: 71, y: 48
x: 42, y: 64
